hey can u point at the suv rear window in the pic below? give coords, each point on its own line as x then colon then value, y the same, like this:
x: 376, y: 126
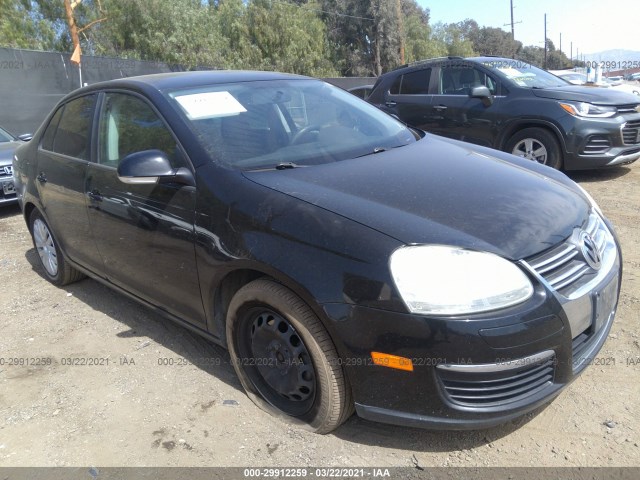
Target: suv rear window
x: 413, y: 83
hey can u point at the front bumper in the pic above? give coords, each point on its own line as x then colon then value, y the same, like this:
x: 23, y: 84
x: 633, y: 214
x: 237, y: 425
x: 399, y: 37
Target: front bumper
x: 597, y: 143
x: 478, y: 371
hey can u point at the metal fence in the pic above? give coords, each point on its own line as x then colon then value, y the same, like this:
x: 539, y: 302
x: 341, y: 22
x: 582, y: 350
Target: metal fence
x: 32, y: 82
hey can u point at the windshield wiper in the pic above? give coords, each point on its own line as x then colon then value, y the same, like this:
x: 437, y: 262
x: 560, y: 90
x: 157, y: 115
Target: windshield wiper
x: 373, y: 152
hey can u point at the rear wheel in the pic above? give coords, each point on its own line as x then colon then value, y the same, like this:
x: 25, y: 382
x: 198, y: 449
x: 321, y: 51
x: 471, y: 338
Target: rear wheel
x: 285, y: 358
x: 56, y: 269
x: 538, y: 145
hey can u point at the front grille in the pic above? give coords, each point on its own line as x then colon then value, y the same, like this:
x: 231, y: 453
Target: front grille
x: 498, y: 388
x: 630, y: 132
x: 563, y: 267
x: 6, y: 172
x: 597, y: 144
x: 631, y: 108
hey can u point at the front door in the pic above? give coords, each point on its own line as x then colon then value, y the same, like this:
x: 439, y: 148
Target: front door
x: 145, y: 233
x: 457, y: 114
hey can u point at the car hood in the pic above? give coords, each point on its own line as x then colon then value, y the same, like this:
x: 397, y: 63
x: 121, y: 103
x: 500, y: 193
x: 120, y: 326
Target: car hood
x: 6, y: 152
x: 596, y: 95
x: 438, y: 191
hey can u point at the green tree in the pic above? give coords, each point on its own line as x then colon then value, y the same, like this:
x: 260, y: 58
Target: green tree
x: 454, y: 38
x: 494, y: 41
x: 289, y: 38
x: 22, y: 25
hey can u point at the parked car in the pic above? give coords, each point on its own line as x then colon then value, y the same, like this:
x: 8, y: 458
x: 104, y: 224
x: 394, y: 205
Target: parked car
x: 577, y: 78
x: 513, y: 106
x: 362, y: 91
x: 8, y: 145
x: 345, y: 260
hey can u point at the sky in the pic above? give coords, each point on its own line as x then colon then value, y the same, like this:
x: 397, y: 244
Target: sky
x: 592, y: 25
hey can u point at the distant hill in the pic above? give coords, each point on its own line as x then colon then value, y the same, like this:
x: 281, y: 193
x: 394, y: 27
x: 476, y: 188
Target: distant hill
x: 618, y: 56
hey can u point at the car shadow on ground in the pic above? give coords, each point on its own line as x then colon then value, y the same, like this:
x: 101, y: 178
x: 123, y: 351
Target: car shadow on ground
x: 9, y: 211
x: 598, y: 175
x: 144, y: 323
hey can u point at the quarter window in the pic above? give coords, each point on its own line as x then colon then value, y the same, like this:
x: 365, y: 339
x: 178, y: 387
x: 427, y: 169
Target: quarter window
x: 129, y: 125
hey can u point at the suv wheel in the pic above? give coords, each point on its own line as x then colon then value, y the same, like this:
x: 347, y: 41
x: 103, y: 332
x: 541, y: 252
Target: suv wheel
x: 536, y: 144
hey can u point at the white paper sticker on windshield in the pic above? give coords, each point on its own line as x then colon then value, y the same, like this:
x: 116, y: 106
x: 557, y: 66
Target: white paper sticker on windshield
x: 511, y: 72
x: 210, y: 105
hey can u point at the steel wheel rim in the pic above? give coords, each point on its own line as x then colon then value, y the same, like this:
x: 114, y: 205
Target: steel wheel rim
x: 531, y: 149
x: 277, y: 361
x: 46, y: 247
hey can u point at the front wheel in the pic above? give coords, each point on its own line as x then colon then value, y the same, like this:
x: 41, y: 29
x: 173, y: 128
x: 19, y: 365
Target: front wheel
x: 538, y: 145
x: 285, y: 358
x: 56, y: 269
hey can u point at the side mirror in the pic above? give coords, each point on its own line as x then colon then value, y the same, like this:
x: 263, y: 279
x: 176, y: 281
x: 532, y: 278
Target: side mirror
x: 482, y: 93
x: 152, y: 166
x: 25, y: 137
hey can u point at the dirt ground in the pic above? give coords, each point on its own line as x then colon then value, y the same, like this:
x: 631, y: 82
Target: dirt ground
x: 142, y: 402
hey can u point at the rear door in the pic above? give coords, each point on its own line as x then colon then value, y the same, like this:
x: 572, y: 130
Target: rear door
x: 409, y: 99
x: 62, y: 159
x: 145, y: 233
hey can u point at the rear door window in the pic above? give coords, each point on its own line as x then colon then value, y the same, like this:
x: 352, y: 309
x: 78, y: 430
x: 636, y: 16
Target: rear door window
x: 73, y: 135
x: 413, y: 83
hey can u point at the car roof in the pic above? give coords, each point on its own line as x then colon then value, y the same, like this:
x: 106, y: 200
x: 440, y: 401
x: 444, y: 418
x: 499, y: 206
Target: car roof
x: 177, y: 80
x: 485, y: 59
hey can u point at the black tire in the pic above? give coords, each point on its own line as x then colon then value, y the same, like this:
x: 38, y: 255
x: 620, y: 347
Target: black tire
x: 55, y: 267
x: 285, y: 358
x: 527, y: 142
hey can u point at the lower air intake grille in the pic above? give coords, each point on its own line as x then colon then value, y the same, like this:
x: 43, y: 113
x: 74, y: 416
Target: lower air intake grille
x: 497, y: 388
x: 597, y: 144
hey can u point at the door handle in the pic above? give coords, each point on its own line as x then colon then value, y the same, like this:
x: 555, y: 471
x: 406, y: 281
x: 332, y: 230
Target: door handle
x: 42, y: 178
x: 440, y: 108
x: 95, y: 195
x: 390, y: 103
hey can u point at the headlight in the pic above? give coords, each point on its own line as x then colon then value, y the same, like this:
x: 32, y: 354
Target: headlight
x: 583, y: 109
x: 443, y: 280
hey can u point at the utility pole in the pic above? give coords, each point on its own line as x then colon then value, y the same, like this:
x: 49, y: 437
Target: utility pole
x: 513, y: 35
x: 545, y: 41
x: 401, y: 30
x: 512, y: 23
x: 571, y: 53
x: 560, y: 43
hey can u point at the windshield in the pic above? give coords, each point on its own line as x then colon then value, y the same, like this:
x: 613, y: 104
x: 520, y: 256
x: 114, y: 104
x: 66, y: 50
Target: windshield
x: 286, y: 123
x: 524, y: 74
x: 574, y: 77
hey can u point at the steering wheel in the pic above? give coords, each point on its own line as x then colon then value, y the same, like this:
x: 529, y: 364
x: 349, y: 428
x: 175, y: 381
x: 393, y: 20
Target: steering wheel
x: 306, y: 134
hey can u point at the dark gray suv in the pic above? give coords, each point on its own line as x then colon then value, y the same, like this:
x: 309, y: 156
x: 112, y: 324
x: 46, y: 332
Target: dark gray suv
x: 513, y: 106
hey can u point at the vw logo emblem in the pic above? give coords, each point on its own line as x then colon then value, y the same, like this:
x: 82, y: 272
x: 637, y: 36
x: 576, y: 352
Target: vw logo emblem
x: 8, y: 170
x: 590, y: 251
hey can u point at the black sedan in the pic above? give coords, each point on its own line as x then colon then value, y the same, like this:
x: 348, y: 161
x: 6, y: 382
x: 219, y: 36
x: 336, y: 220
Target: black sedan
x: 345, y: 260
